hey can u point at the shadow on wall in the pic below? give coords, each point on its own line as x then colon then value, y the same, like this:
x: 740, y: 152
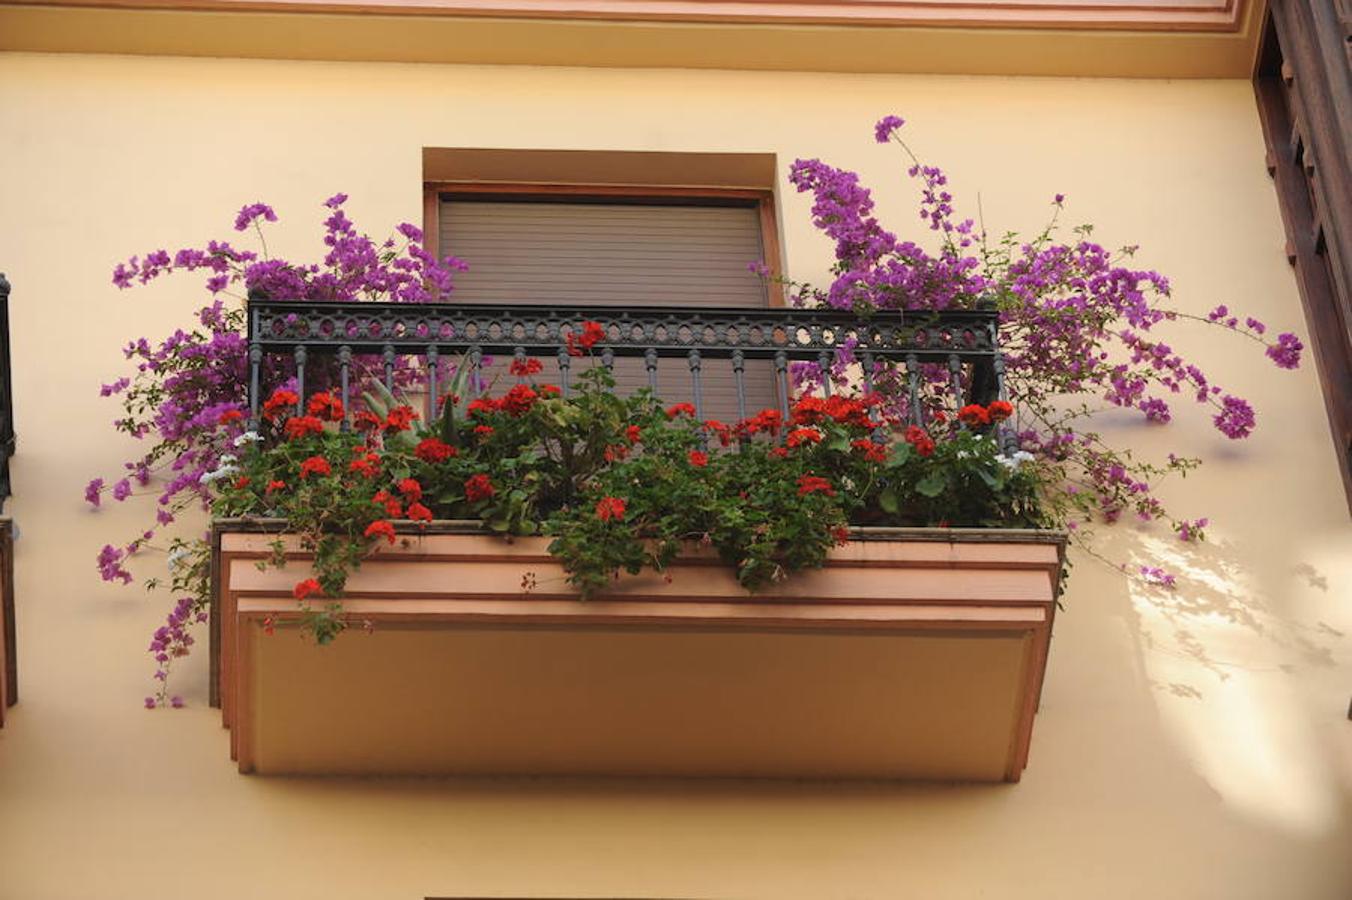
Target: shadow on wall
x: 1247, y: 684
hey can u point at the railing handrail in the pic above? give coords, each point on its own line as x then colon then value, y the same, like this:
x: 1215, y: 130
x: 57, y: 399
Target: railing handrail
x: 956, y: 339
x: 8, y: 440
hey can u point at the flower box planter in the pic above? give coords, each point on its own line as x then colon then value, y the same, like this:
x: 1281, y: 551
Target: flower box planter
x: 9, y: 683
x: 916, y: 653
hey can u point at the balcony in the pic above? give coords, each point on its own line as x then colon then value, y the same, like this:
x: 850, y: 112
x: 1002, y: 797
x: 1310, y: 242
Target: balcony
x: 914, y: 653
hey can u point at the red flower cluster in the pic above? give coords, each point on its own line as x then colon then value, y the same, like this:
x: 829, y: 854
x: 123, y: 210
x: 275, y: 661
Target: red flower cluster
x: 803, y: 436
x: 872, y: 452
x: 479, y: 487
x: 275, y: 486
x: 698, y: 460
x: 767, y: 420
x: 305, y: 588
x: 400, y: 418
x: 524, y: 367
x: 840, y: 409
x: 325, y: 406
x: 610, y: 508
x: 315, y: 465
x: 592, y: 333
x: 411, y: 489
x: 681, y: 409
x: 484, y: 431
x: 974, y: 414
x: 242, y: 482
x: 419, y: 513
x: 999, y: 410
x: 298, y: 427
x: 380, y: 528
x: 280, y: 401
x: 366, y: 462
x: 713, y: 426
x: 918, y: 438
x: 518, y: 401
x: 367, y: 421
x: 811, y: 484
x: 434, y: 450
x: 230, y: 415
x: 393, y: 509
x: 632, y: 434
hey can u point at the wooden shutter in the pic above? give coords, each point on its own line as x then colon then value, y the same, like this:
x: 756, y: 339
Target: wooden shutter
x: 609, y: 252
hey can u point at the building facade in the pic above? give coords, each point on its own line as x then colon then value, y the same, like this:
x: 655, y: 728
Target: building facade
x: 1192, y: 744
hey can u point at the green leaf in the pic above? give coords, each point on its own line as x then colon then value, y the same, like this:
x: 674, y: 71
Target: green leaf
x: 900, y: 454
x: 888, y: 500
x: 992, y: 482
x: 840, y: 443
x: 932, y: 485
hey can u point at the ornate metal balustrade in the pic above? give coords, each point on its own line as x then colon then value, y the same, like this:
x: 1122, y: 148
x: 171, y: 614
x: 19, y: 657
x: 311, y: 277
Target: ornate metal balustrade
x: 962, y: 344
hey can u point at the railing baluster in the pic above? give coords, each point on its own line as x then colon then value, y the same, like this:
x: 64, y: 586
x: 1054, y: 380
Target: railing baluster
x: 565, y: 364
x: 913, y: 388
x: 519, y: 356
x: 739, y: 376
x: 650, y: 363
x: 824, y: 364
x: 344, y: 375
x: 388, y: 354
x: 608, y: 359
x: 433, y: 407
x: 695, y: 364
x: 300, y: 379
x: 476, y: 359
x: 866, y: 358
x: 782, y: 382
x: 255, y: 367
x: 955, y: 379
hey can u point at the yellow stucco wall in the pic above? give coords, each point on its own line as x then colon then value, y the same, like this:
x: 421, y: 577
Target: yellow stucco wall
x: 1189, y: 746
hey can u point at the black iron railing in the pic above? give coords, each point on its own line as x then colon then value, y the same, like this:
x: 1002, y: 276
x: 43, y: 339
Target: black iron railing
x: 7, y: 440
x: 289, y: 336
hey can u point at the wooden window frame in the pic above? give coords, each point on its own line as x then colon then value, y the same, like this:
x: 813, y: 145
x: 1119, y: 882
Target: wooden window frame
x: 764, y: 200
x: 1303, y: 84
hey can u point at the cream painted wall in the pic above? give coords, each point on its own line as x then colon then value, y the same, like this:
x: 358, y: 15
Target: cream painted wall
x: 1189, y: 746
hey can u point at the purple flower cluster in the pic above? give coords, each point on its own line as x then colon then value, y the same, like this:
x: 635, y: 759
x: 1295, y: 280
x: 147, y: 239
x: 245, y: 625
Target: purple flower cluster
x: 187, y: 395
x: 1074, y: 321
x: 171, y: 641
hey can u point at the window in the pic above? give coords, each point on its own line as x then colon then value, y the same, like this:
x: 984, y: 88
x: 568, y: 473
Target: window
x: 617, y: 245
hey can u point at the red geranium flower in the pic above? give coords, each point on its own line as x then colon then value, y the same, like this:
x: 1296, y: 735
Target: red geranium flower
x: 610, y: 508
x: 518, y: 400
x: 305, y: 588
x: 400, y: 418
x: 592, y: 332
x: 999, y: 410
x: 434, y: 450
x: 410, y: 488
x: 482, y: 405
x: 633, y: 433
x: 614, y: 452
x: 551, y: 389
x: 325, y: 406
x: 315, y: 465
x: 680, y: 409
x: 811, y: 484
x: 872, y: 452
x: 483, y: 431
x: 367, y: 421
x: 391, y: 504
x: 298, y: 427
x: 767, y: 420
x: 280, y: 401
x: 275, y: 486
x: 419, y: 513
x: 230, y: 415
x: 524, y: 367
x: 918, y: 438
x: 479, y: 487
x: 242, y: 482
x: 698, y: 460
x: 381, y: 527
x: 804, y: 436
x: 723, y: 431
x: 780, y: 452
x: 974, y: 414
x: 368, y: 465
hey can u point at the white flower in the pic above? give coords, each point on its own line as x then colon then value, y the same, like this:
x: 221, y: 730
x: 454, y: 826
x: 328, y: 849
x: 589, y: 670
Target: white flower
x: 177, y: 555
x: 224, y: 471
x: 229, y: 458
x: 1017, y: 459
x: 248, y: 437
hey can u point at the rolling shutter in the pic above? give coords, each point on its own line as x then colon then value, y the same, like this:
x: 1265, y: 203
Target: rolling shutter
x: 616, y: 253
